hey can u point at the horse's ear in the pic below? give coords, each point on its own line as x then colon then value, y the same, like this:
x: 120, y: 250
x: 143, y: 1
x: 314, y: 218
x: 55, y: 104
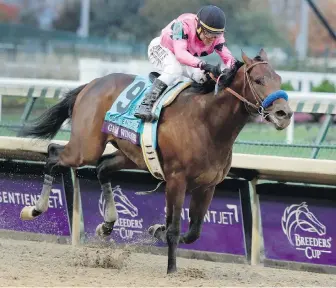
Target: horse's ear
x: 246, y: 59
x: 263, y: 54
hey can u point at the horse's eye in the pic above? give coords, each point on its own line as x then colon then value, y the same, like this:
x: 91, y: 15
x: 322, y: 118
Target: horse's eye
x: 260, y: 81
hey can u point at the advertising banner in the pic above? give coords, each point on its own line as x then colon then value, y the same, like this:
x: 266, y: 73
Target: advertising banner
x: 19, y: 190
x: 222, y: 230
x: 299, y: 229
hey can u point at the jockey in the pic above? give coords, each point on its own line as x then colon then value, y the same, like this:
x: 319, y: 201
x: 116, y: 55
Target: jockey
x: 174, y: 52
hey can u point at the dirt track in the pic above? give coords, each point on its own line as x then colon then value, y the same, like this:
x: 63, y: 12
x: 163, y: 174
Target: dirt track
x: 28, y: 263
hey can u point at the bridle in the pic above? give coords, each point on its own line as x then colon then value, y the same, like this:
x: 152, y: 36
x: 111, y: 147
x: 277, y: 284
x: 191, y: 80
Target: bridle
x: 261, y: 104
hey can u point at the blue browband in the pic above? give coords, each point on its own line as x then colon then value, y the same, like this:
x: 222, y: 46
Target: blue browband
x: 274, y: 96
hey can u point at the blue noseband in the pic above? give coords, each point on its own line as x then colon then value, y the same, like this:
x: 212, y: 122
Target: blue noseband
x: 274, y: 96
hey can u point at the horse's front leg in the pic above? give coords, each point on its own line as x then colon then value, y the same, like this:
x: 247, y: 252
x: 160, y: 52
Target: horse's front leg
x: 175, y: 194
x: 199, y: 204
x: 107, y: 165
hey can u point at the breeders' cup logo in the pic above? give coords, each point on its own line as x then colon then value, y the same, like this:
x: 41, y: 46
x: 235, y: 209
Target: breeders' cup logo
x: 126, y: 227
x: 296, y: 220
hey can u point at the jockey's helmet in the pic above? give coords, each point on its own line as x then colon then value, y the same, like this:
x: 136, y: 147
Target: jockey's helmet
x: 211, y: 19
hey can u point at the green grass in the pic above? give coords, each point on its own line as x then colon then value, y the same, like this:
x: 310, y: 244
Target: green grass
x: 303, y: 134
x: 329, y: 154
x: 8, y: 131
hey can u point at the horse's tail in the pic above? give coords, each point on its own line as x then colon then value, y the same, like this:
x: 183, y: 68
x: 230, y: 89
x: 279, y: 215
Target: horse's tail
x: 47, y: 125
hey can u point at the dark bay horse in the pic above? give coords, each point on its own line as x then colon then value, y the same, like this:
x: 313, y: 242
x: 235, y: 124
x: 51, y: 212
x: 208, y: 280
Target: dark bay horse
x: 196, y: 134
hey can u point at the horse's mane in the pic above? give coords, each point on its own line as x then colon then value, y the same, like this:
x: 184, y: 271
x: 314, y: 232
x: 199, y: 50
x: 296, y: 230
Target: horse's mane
x: 225, y: 80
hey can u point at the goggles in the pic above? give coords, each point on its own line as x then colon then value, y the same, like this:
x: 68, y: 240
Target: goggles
x: 209, y: 35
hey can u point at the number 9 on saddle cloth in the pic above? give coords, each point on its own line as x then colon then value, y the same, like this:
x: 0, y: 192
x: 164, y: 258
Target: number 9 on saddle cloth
x: 120, y: 120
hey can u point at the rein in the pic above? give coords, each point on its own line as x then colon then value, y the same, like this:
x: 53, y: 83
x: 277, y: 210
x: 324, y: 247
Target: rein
x: 256, y: 96
x: 261, y: 104
x: 241, y: 98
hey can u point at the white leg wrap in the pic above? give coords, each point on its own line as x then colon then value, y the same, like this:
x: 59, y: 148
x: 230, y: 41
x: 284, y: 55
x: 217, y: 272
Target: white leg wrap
x: 110, y: 214
x: 43, y: 202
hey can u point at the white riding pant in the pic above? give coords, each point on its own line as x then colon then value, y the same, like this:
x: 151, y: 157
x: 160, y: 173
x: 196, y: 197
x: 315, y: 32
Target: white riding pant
x: 171, y: 70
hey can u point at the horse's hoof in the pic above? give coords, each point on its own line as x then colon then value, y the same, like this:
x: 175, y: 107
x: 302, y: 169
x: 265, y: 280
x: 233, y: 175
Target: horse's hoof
x: 102, y: 232
x: 153, y: 230
x: 157, y: 231
x: 99, y: 231
x: 171, y: 270
x: 27, y: 213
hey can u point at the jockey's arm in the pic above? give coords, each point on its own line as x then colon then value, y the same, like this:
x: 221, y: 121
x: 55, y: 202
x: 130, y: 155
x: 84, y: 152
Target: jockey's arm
x: 184, y: 57
x: 225, y: 54
x: 182, y: 54
x: 180, y: 44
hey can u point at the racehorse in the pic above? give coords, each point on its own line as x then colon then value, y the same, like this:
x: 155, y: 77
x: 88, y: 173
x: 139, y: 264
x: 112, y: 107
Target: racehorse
x: 196, y: 133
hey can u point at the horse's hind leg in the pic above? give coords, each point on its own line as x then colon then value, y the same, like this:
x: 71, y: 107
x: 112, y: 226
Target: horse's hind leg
x: 199, y: 205
x: 108, y: 164
x: 50, y: 169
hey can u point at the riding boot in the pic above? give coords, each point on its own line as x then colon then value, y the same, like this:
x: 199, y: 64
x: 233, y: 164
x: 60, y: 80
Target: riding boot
x: 144, y: 110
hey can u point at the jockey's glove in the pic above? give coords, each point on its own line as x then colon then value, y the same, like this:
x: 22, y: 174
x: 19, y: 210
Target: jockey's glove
x: 208, y: 68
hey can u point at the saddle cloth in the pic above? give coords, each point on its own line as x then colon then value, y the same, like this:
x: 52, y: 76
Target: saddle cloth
x: 121, y: 123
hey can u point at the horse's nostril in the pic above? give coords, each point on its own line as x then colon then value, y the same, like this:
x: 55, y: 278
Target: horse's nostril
x: 280, y: 113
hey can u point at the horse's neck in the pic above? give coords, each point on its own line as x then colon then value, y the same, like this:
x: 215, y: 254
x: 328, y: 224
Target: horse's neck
x: 226, y: 116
